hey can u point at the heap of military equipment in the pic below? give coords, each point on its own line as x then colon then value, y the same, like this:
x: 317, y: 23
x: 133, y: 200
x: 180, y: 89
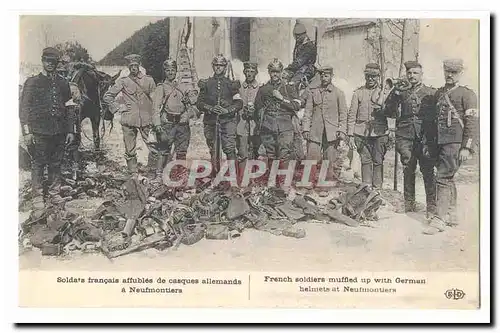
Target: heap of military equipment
x: 136, y: 215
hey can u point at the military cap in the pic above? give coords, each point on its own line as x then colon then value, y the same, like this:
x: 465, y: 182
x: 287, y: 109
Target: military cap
x: 453, y: 65
x: 51, y: 52
x: 372, y: 68
x: 299, y: 28
x: 133, y: 59
x: 326, y: 69
x: 275, y: 65
x: 249, y: 65
x: 170, y: 63
x: 412, y: 64
x: 219, y: 60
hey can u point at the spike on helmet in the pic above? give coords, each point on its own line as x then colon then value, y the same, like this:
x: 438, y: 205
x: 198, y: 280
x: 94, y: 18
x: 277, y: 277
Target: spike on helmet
x: 169, y: 63
x: 219, y: 60
x: 275, y: 65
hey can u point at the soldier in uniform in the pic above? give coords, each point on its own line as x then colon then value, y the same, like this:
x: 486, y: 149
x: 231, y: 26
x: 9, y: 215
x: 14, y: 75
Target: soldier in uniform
x: 172, y: 111
x: 220, y: 101
x: 368, y: 129
x: 247, y: 141
x: 325, y: 123
x: 276, y: 104
x: 457, y: 125
x: 298, y: 141
x: 48, y: 123
x: 136, y: 112
x: 304, y: 55
x: 414, y: 126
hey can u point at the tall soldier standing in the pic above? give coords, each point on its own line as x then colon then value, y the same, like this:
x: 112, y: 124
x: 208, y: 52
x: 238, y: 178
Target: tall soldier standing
x: 325, y: 122
x: 368, y: 129
x: 47, y: 123
x: 172, y: 111
x: 456, y: 117
x: 220, y: 101
x: 136, y: 113
x: 247, y: 141
x: 414, y: 127
x: 276, y: 103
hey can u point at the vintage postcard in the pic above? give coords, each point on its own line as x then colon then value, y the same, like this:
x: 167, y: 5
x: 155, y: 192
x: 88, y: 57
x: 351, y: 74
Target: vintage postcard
x: 250, y: 161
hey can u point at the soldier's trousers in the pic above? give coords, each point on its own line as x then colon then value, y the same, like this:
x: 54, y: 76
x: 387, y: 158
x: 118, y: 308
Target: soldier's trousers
x: 447, y: 166
x: 371, y: 150
x: 227, y: 130
x: 179, y: 135
x: 298, y: 147
x: 48, y: 152
x: 130, y: 142
x: 411, y: 152
x: 327, y: 150
x: 279, y: 145
x: 248, y: 147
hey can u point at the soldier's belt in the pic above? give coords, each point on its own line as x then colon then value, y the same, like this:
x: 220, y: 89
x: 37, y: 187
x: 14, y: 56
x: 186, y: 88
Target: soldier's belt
x: 173, y: 118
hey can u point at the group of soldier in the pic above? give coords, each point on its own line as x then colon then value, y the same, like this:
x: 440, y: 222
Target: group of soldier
x: 436, y: 128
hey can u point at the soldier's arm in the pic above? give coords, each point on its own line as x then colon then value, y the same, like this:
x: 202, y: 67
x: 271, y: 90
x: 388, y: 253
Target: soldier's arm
x: 342, y: 107
x: 151, y: 85
x: 201, y: 104
x: 258, y: 103
x: 71, y: 109
x: 353, y: 113
x: 25, y: 105
x: 304, y: 58
x: 110, y: 95
x: 392, y: 104
x: 237, y: 102
x: 292, y: 102
x: 308, y: 111
x: 157, y: 97
x: 471, y: 121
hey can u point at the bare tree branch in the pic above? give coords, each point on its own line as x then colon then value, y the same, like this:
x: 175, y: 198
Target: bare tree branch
x: 392, y: 31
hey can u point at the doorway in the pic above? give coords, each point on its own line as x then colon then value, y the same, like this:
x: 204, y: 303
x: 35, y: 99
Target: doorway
x: 240, y: 38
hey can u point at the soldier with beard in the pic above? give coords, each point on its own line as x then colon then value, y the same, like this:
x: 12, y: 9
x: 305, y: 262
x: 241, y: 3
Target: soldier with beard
x: 220, y: 101
x: 304, y: 55
x: 276, y: 104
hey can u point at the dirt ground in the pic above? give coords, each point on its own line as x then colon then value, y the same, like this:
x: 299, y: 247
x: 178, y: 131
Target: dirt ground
x: 395, y: 243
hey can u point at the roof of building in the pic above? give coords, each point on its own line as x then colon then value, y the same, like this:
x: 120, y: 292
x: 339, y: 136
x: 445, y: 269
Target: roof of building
x: 340, y: 24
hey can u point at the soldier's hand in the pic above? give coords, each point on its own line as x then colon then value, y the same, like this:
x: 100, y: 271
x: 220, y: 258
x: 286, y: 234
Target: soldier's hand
x: 306, y: 135
x: 122, y: 108
x: 28, y: 139
x: 352, y: 142
x: 70, y: 138
x: 277, y: 95
x: 217, y: 109
x: 426, y: 152
x: 464, y: 154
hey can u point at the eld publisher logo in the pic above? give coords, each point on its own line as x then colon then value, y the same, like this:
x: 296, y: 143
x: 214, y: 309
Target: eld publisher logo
x: 454, y: 294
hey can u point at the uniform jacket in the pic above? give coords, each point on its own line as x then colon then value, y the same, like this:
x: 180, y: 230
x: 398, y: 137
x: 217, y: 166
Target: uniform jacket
x: 325, y: 112
x: 363, y: 119
x: 169, y: 98
x: 304, y: 58
x: 222, y: 91
x: 272, y: 114
x: 458, y: 122
x: 417, y: 105
x: 248, y: 92
x: 136, y: 97
x: 43, y: 107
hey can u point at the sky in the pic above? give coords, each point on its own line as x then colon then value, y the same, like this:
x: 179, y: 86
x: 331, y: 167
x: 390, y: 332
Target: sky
x: 99, y: 34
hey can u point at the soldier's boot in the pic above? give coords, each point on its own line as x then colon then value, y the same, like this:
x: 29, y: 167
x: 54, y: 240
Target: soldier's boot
x: 160, y: 166
x: 430, y: 193
x: 378, y: 176
x: 38, y: 203
x: 152, y: 163
x: 132, y: 165
x: 437, y: 222
x: 54, y: 184
x: 367, y: 174
x: 452, y: 211
x: 409, y: 190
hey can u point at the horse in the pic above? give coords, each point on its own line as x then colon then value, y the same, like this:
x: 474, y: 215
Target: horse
x: 91, y: 85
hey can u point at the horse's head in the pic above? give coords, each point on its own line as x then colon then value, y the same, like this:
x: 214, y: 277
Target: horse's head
x: 105, y: 82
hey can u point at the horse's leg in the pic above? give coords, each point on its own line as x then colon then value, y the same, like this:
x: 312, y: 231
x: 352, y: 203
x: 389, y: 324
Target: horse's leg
x: 96, y: 120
